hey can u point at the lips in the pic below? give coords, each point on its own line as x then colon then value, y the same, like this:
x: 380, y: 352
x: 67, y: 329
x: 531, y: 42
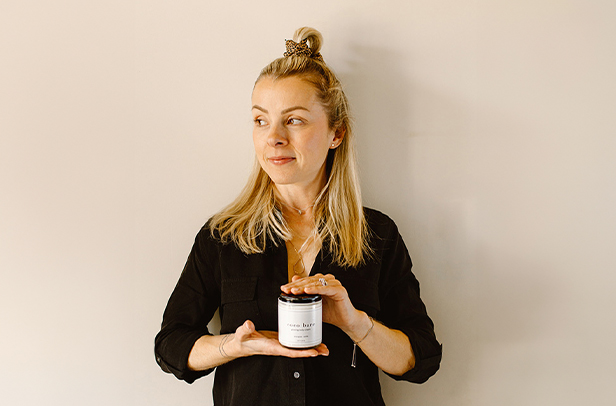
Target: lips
x: 280, y: 160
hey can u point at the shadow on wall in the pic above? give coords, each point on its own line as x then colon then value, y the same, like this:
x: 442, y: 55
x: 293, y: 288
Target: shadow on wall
x: 380, y: 96
x: 379, y: 99
x: 485, y: 300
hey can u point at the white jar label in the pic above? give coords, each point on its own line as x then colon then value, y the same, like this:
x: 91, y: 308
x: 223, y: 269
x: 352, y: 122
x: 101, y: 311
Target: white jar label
x: 300, y: 325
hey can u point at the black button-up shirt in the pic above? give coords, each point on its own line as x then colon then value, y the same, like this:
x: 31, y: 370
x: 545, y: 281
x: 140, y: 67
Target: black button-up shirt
x: 246, y: 287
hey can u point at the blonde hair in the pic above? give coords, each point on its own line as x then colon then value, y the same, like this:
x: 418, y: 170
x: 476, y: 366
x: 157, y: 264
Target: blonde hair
x: 255, y: 218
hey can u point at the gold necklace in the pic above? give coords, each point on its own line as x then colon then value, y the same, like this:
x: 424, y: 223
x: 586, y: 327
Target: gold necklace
x: 299, y: 254
x: 299, y: 211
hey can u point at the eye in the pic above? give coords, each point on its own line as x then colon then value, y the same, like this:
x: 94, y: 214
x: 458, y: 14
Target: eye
x: 259, y: 122
x: 294, y: 120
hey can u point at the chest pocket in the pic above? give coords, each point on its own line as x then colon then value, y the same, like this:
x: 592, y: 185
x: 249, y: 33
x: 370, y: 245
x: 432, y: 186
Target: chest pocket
x: 363, y: 294
x: 238, y: 303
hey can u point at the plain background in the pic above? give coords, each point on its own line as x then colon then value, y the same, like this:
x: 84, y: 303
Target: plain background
x: 486, y: 129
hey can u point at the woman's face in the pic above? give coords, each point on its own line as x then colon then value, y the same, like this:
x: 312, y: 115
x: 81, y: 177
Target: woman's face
x: 291, y: 132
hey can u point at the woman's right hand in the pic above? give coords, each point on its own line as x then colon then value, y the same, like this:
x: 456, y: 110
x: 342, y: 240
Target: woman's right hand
x: 211, y: 351
x: 247, y: 341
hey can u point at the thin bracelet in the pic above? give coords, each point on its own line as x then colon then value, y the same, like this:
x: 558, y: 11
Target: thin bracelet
x: 357, y: 342
x: 221, y: 348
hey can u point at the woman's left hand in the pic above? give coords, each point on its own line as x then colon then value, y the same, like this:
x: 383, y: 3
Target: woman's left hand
x: 389, y: 349
x: 337, y: 307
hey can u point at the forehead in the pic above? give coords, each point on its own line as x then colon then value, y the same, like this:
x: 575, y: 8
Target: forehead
x: 285, y: 92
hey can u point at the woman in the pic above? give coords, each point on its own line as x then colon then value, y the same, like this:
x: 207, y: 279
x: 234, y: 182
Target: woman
x: 299, y: 227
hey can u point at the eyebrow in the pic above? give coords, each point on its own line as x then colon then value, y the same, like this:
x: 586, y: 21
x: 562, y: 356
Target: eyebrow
x: 285, y: 111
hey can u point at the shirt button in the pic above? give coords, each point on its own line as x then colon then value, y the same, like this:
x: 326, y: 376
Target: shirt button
x: 296, y: 375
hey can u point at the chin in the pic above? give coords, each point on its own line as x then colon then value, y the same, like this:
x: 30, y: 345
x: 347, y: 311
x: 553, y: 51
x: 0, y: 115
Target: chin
x: 281, y: 181
x: 280, y: 178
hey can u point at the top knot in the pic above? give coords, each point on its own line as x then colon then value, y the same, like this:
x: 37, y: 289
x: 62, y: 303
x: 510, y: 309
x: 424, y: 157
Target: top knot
x: 301, y: 49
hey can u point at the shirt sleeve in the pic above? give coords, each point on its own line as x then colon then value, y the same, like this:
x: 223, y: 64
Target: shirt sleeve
x: 189, y: 310
x: 403, y: 309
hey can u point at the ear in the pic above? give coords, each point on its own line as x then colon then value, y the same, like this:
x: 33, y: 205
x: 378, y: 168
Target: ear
x: 338, y: 137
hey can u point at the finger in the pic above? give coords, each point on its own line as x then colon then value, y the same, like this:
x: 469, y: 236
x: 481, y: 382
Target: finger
x: 245, y: 329
x: 318, y: 289
x: 297, y: 281
x: 328, y: 276
x: 323, y: 283
x: 313, y: 286
x: 321, y: 349
x: 310, y: 280
x: 279, y: 349
x: 249, y: 326
x: 334, y: 290
x: 296, y: 287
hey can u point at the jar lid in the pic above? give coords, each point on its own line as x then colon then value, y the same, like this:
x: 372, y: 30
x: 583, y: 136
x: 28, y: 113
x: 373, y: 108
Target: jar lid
x: 299, y: 298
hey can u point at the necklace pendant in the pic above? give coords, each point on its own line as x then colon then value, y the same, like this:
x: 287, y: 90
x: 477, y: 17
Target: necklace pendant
x: 300, y: 212
x: 298, y: 268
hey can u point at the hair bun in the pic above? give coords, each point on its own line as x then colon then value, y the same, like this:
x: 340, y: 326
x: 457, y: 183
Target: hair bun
x: 312, y: 36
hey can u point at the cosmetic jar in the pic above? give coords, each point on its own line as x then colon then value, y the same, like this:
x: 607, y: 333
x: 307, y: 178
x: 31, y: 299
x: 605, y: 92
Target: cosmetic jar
x: 300, y: 320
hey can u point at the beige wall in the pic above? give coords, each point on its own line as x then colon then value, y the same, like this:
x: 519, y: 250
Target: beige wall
x: 486, y: 130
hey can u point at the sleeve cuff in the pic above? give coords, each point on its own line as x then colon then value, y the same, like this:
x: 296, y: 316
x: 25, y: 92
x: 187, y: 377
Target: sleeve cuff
x: 176, y: 361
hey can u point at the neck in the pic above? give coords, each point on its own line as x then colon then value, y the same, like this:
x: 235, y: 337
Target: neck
x: 297, y: 210
x: 297, y: 201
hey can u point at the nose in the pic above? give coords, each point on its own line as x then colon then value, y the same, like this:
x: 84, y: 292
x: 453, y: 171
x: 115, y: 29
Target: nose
x: 277, y: 136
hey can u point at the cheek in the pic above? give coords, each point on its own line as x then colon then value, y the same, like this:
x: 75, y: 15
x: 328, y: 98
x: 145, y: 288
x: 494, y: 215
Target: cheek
x: 256, y: 141
x: 322, y: 143
x: 317, y: 152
